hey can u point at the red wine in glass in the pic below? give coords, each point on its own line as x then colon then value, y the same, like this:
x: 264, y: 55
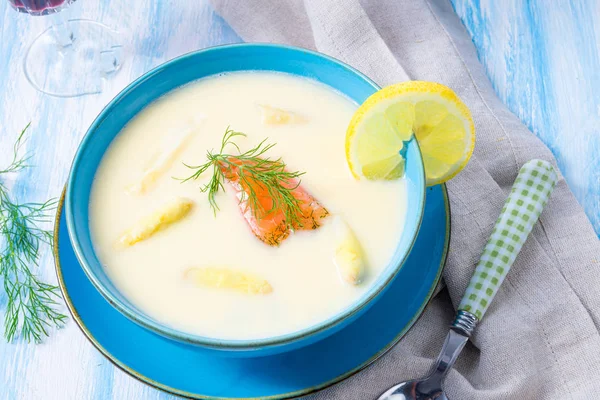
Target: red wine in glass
x: 39, y: 7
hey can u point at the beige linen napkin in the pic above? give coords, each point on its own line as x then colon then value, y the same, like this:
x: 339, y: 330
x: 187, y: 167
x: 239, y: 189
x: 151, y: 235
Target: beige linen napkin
x: 540, y: 338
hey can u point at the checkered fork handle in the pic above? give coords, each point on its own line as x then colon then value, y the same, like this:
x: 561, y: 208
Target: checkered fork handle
x: 524, y: 205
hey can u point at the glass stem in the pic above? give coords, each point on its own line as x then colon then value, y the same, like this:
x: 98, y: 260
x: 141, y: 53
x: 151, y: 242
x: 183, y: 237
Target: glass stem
x: 61, y: 30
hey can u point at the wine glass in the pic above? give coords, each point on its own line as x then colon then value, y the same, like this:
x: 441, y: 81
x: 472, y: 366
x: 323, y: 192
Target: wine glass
x: 72, y: 57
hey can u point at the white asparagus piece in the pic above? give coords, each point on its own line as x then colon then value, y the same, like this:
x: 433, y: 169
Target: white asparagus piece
x: 349, y: 256
x: 225, y: 278
x: 278, y: 116
x: 160, y: 219
x: 164, y: 160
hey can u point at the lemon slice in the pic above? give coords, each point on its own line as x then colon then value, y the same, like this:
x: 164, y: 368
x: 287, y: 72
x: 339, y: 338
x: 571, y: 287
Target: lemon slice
x: 440, y: 121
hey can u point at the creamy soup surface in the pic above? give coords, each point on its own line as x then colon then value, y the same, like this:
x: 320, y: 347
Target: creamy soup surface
x: 306, y: 285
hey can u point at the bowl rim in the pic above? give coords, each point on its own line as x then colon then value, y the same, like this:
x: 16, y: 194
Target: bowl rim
x: 137, y: 316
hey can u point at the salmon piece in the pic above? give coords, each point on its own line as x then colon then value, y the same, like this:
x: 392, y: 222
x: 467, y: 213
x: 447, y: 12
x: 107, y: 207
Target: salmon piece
x: 271, y: 226
x: 312, y: 211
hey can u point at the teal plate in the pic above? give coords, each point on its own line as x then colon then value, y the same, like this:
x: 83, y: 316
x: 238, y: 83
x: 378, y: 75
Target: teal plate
x: 194, y: 372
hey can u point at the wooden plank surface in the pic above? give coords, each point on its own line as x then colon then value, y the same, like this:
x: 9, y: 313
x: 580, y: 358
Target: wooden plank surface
x: 542, y: 58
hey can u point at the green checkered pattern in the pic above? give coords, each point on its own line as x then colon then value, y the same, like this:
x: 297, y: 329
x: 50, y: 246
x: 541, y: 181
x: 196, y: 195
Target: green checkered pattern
x: 524, y: 205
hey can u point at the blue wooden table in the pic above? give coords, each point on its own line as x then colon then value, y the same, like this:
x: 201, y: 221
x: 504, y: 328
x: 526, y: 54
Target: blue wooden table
x: 542, y: 58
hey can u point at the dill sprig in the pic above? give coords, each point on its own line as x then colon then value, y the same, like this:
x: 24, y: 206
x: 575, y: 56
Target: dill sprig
x: 31, y: 303
x: 18, y: 163
x: 255, y: 171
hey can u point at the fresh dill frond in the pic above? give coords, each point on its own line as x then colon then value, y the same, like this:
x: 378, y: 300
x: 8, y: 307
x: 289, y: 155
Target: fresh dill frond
x: 18, y: 162
x: 31, y: 303
x: 254, y: 171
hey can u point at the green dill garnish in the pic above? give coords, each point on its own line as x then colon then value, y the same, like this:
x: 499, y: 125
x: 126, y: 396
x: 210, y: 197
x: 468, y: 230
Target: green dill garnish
x: 31, y: 303
x: 254, y: 172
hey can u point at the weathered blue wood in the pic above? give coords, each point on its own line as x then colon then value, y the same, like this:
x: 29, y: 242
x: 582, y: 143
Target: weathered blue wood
x: 542, y: 58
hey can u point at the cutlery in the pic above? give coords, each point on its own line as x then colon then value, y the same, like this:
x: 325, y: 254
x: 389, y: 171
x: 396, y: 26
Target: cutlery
x: 528, y: 196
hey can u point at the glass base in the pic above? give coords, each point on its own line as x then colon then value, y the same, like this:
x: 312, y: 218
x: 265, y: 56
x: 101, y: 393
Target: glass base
x: 73, y: 58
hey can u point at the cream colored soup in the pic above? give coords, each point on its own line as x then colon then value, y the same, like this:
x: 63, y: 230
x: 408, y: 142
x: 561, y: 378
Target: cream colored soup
x: 136, y: 177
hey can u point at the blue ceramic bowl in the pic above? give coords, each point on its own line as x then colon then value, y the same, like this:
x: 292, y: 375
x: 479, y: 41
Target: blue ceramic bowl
x: 178, y: 72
